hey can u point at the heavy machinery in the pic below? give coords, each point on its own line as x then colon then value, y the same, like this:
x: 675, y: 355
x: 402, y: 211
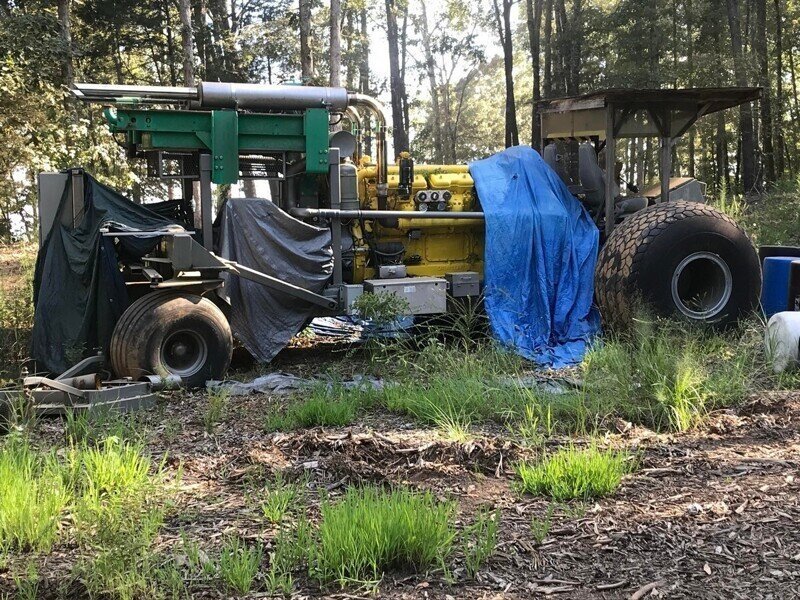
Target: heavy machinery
x: 407, y: 229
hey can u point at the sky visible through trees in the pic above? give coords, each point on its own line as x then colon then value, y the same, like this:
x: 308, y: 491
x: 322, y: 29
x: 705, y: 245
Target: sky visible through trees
x: 443, y: 68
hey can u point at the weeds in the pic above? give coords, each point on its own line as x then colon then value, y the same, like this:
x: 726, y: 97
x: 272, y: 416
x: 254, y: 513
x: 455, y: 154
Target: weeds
x: 382, y: 308
x: 215, y: 409
x: 32, y: 497
x: 540, y: 527
x: 480, y: 540
x: 16, y: 312
x: 292, y: 547
x: 27, y: 585
x: 279, y: 497
x: 239, y: 564
x: 371, y: 530
x: 573, y: 473
x: 326, y: 405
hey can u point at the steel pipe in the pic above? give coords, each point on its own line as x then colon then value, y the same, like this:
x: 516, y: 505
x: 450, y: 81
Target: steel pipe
x: 376, y: 109
x: 257, y: 96
x: 101, y: 92
x: 328, y: 213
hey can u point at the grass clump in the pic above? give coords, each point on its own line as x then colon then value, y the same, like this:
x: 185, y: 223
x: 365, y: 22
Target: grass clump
x: 480, y: 540
x: 325, y: 405
x: 540, y: 526
x: 33, y: 497
x: 215, y: 409
x: 574, y: 473
x: 239, y: 565
x: 381, y: 308
x: 372, y: 530
x: 279, y: 498
x: 668, y: 376
x: 451, y: 389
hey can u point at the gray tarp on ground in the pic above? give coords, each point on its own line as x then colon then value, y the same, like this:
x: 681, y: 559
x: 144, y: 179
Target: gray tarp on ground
x: 257, y: 234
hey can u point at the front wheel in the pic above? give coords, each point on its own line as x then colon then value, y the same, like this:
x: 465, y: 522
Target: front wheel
x: 167, y: 333
x: 682, y: 259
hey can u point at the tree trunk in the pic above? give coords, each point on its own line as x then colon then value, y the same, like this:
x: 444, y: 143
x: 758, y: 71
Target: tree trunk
x: 351, y: 57
x: 398, y: 88
x: 748, y: 162
x: 547, y: 84
x: 766, y: 101
x: 185, y: 11
x: 430, y: 70
x: 504, y: 31
x: 363, y: 72
x: 336, y: 44
x: 564, y: 45
x: 306, y: 53
x: 690, y: 67
x: 576, y: 36
x: 65, y: 31
x: 534, y: 29
x: 200, y: 34
x: 780, y: 150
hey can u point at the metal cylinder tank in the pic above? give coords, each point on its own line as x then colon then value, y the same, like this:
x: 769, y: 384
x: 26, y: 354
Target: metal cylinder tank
x: 349, y: 185
x: 256, y: 96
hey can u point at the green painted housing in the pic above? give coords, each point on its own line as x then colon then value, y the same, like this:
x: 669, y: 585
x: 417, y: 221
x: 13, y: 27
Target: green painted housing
x: 226, y: 134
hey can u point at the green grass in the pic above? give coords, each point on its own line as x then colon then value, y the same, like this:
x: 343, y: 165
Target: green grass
x: 574, y: 473
x: 372, y: 530
x: 33, y: 497
x: 217, y: 404
x: 16, y: 309
x: 540, y: 526
x: 239, y: 565
x: 280, y: 497
x: 480, y: 540
x: 323, y: 405
x: 771, y: 219
x: 451, y: 389
x: 108, y: 498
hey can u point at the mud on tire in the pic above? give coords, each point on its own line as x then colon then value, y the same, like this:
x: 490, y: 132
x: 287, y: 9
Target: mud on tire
x: 169, y: 333
x: 679, y: 258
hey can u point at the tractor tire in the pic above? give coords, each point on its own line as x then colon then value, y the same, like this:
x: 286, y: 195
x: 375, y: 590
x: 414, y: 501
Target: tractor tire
x: 169, y: 333
x: 682, y: 259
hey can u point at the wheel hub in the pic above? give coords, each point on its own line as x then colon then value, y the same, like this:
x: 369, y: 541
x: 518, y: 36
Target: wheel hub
x: 184, y: 352
x: 701, y: 285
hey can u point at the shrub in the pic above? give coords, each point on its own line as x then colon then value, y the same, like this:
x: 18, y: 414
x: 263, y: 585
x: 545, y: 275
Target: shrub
x: 574, y: 473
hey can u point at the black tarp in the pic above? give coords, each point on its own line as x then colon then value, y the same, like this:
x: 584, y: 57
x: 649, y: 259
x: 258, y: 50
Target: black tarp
x: 79, y: 292
x: 256, y: 233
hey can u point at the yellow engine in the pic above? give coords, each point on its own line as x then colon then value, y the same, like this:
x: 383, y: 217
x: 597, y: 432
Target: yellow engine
x: 426, y: 246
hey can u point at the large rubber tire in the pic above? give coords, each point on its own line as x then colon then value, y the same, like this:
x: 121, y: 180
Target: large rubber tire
x: 678, y: 258
x: 169, y: 333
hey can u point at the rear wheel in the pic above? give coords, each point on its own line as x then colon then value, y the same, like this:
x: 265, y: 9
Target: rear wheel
x: 167, y: 333
x: 679, y: 258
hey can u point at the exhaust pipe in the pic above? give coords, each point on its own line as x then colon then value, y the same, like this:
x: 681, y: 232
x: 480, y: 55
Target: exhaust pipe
x: 381, y: 163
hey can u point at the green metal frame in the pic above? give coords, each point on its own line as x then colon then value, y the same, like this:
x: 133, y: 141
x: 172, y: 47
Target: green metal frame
x: 226, y: 134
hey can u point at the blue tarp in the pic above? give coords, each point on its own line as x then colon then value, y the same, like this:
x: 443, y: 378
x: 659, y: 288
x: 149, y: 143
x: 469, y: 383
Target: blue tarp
x: 540, y: 255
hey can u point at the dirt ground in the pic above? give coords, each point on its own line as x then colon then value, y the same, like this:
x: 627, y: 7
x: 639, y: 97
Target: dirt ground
x: 709, y: 514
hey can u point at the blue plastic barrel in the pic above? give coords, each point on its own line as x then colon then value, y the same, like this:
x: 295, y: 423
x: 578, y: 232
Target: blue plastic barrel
x: 775, y: 283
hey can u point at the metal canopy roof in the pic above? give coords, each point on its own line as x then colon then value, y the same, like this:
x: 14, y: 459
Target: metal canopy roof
x: 608, y: 115
x: 666, y: 113
x: 709, y: 99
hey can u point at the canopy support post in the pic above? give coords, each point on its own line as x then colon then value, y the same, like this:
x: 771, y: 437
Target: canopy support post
x: 610, y: 162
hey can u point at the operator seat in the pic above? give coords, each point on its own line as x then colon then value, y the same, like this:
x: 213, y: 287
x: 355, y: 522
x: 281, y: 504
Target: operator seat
x: 593, y: 180
x: 555, y: 162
